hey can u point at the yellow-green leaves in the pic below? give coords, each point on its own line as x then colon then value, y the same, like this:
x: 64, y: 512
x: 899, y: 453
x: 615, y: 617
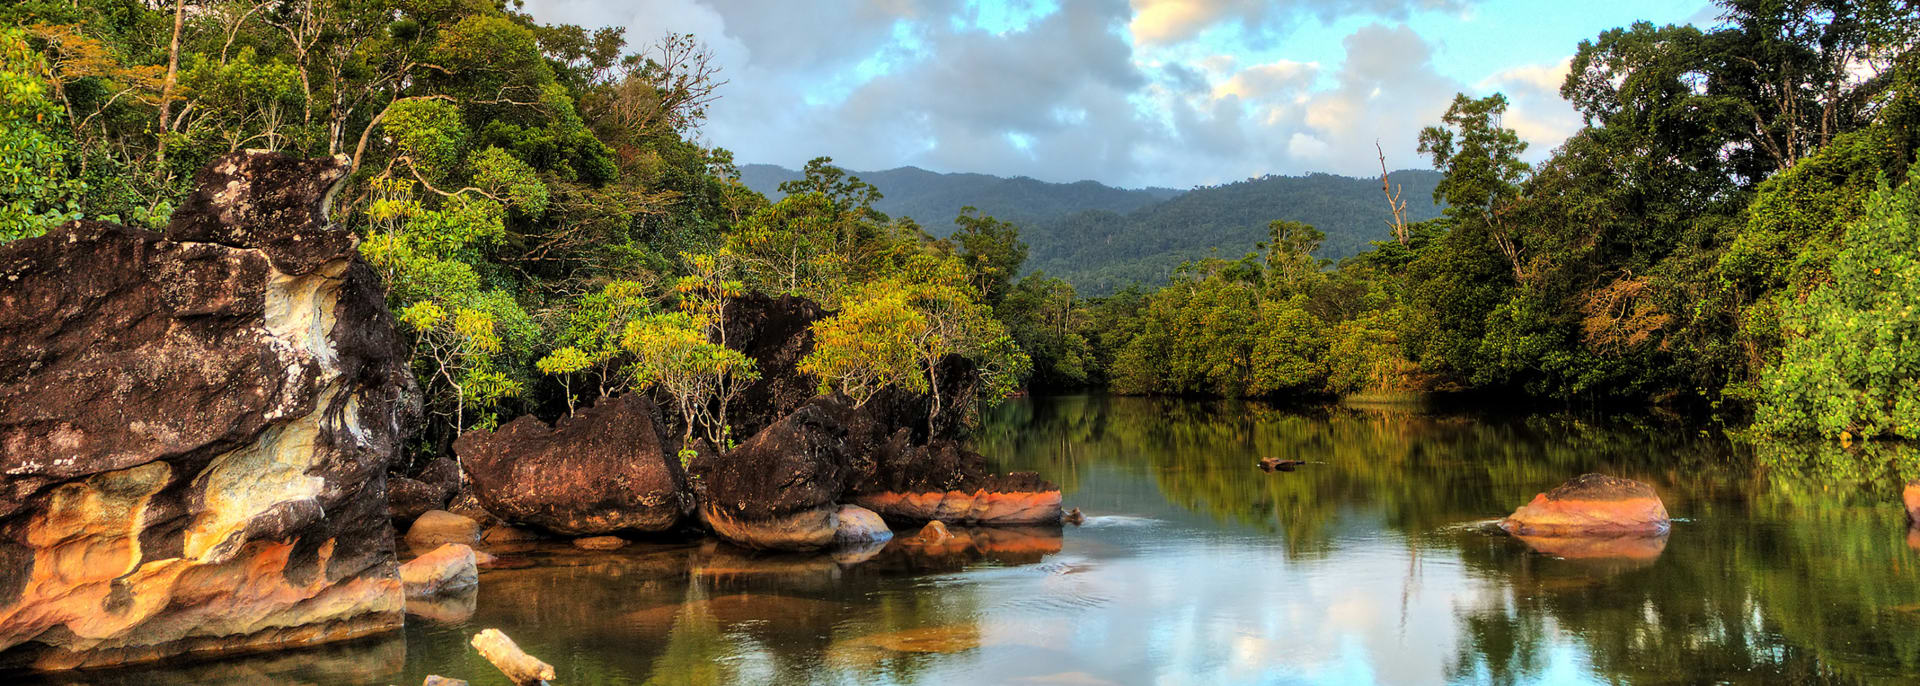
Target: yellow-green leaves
x: 869, y: 345
x: 429, y: 132
x: 671, y: 352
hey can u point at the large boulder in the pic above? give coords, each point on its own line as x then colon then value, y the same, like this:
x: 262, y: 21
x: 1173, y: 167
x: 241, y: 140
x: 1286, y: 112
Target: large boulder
x: 779, y: 490
x: 195, y: 428
x: 607, y: 469
x: 1591, y: 505
x: 944, y: 481
x: 775, y: 332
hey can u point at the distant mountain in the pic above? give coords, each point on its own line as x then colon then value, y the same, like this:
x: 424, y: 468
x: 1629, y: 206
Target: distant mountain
x: 1103, y: 251
x: 1102, y: 238
x: 933, y: 198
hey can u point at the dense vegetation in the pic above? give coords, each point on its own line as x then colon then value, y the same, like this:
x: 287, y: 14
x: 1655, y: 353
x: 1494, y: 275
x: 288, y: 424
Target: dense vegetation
x: 1102, y: 239
x: 547, y: 232
x: 1102, y: 252
x: 933, y: 198
x: 1733, y: 232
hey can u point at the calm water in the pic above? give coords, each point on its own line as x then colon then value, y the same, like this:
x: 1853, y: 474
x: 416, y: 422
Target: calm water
x: 1371, y: 565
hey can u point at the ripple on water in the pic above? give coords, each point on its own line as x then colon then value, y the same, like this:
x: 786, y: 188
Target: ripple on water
x: 1116, y: 521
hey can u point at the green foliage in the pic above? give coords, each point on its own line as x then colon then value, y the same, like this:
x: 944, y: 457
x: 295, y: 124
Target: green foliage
x: 868, y: 346
x: 37, y: 190
x: 1850, y: 368
x: 992, y: 251
x: 671, y: 353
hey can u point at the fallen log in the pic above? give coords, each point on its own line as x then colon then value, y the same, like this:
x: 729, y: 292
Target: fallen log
x: 522, y: 668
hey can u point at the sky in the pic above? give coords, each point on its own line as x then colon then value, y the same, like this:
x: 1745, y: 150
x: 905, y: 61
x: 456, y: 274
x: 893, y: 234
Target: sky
x: 1131, y: 93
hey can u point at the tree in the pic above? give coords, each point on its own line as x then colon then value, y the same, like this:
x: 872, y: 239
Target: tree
x: 1851, y: 365
x: 671, y: 352
x: 992, y: 251
x: 868, y: 346
x: 1481, y: 160
x: 37, y: 190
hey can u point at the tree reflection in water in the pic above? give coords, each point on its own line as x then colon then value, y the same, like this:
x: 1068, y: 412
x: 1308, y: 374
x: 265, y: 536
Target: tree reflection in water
x: 1788, y: 564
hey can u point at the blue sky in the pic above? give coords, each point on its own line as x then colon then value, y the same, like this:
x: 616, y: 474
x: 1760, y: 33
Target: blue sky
x: 1126, y: 92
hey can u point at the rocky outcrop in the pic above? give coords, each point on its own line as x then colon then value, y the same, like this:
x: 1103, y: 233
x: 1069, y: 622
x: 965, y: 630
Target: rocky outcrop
x: 946, y: 482
x: 605, y: 470
x: 195, y: 428
x: 780, y: 489
x: 1591, y: 505
x: 775, y: 332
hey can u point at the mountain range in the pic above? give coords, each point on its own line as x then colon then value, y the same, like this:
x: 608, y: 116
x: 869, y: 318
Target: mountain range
x: 1102, y: 239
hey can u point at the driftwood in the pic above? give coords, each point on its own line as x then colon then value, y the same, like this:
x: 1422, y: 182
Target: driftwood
x: 522, y: 668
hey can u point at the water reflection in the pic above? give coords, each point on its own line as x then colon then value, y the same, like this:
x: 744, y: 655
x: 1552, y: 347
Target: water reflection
x: 1374, y: 563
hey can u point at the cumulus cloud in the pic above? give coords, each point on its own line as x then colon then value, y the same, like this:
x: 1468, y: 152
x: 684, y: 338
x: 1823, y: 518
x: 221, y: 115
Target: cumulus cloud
x: 1536, y: 110
x: 1070, y: 92
x: 1172, y: 21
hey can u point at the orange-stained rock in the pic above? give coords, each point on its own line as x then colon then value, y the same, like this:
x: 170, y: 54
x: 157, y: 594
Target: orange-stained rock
x: 448, y: 568
x: 933, y: 533
x: 1911, y: 497
x: 963, y: 507
x: 600, y: 543
x: 1591, y: 504
x: 440, y: 527
x: 196, y: 427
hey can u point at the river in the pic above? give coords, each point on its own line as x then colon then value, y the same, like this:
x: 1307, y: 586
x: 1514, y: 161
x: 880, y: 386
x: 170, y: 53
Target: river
x: 1373, y: 563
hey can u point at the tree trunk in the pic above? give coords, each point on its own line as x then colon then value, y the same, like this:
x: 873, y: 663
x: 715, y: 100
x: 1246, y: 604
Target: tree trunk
x: 166, y: 85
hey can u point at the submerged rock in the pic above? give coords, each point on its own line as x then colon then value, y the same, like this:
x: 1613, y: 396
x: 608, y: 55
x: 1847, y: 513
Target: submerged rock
x: 600, y: 543
x: 197, y: 428
x: 1588, y: 505
x: 932, y: 534
x: 604, y: 470
x: 448, y: 568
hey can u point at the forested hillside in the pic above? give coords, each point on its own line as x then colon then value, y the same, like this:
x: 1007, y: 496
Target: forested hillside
x: 1100, y: 252
x: 1101, y: 239
x: 933, y: 199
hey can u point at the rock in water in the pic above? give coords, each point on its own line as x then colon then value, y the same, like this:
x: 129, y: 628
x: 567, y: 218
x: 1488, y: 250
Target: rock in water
x: 944, y: 481
x: 195, y: 428
x: 439, y: 527
x: 779, y: 489
x: 1591, y: 505
x: 860, y: 525
x: 604, y: 470
x: 448, y: 568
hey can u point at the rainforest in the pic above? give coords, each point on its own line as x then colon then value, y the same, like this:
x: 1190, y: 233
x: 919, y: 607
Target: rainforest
x: 278, y: 272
